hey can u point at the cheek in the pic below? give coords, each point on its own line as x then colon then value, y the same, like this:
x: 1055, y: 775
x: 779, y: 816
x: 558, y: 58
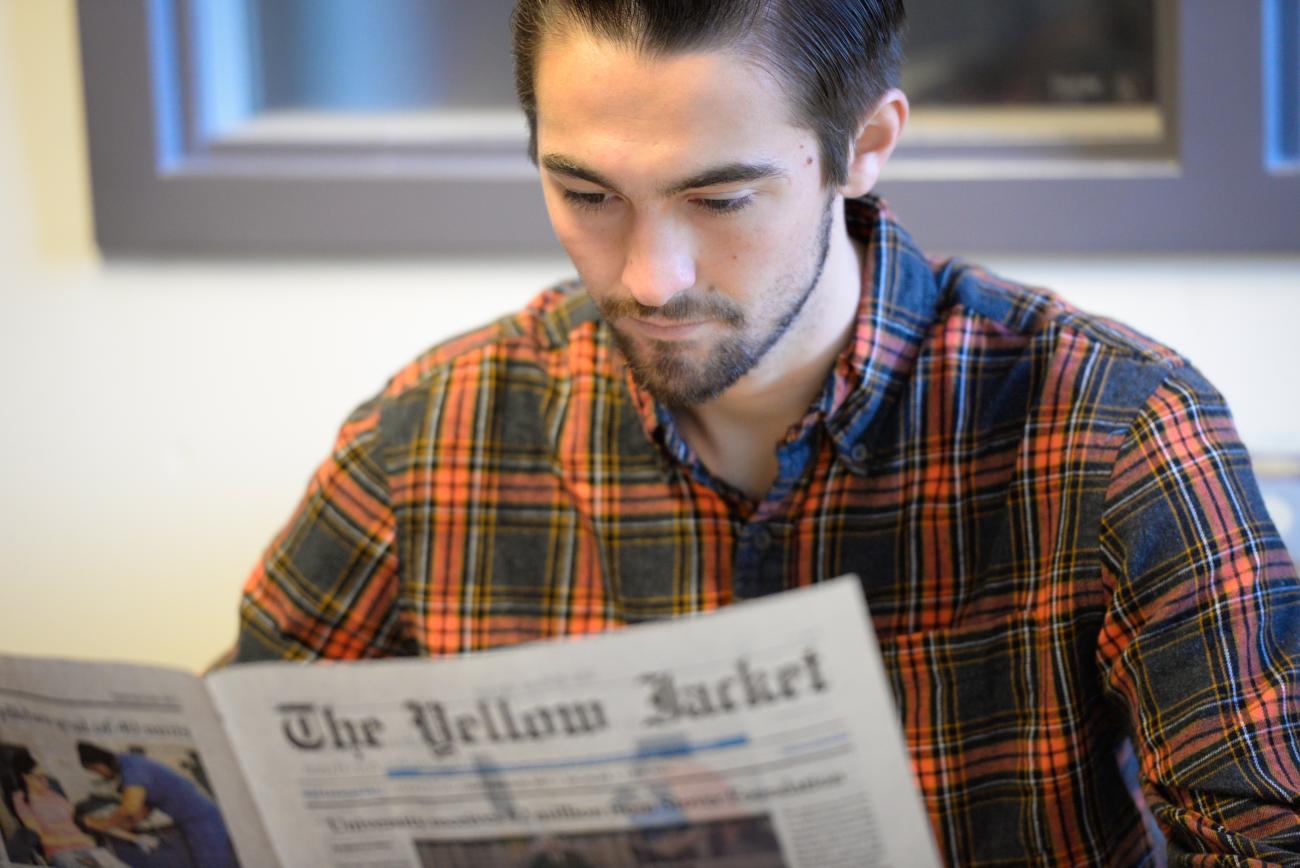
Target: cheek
x: 594, y: 250
x: 596, y: 258
x: 753, y: 253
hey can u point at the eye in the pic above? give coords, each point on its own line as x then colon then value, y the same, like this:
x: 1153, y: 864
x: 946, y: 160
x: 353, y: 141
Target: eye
x: 724, y: 206
x: 586, y: 201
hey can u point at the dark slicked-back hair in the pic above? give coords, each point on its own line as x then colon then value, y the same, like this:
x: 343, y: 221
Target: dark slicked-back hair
x: 834, y: 58
x: 22, y: 763
x: 92, y: 754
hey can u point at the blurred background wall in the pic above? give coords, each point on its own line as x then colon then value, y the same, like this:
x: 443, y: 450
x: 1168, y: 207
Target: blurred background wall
x: 162, y: 418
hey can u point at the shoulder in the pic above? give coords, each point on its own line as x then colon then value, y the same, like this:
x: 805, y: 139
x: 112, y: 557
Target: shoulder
x: 552, y: 323
x: 1039, y: 314
x: 526, y: 355
x: 134, y: 767
x: 1069, y: 364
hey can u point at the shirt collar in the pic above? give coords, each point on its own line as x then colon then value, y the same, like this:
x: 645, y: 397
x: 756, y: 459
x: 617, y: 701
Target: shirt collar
x: 897, y: 307
x: 900, y: 297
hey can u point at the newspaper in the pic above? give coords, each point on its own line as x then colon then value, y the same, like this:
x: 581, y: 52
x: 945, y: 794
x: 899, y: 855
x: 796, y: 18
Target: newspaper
x: 763, y: 734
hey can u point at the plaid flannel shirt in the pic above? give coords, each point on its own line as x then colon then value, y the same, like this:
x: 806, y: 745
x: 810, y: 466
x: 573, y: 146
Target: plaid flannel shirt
x: 1054, y: 521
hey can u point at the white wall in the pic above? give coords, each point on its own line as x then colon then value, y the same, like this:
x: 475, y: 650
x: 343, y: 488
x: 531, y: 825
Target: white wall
x: 160, y: 420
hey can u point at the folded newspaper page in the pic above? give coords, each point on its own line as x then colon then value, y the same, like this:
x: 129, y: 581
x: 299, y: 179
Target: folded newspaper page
x: 763, y: 734
x: 760, y: 735
x: 113, y: 765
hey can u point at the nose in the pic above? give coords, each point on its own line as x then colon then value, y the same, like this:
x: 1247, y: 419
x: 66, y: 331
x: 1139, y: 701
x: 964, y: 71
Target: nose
x: 660, y: 262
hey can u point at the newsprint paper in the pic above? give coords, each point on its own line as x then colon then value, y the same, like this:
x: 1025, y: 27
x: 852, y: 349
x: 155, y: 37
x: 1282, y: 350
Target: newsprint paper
x: 760, y: 735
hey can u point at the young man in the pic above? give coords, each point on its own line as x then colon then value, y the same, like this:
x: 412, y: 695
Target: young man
x: 758, y: 383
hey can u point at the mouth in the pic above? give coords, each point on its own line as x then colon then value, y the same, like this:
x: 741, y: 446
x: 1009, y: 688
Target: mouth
x: 666, y: 330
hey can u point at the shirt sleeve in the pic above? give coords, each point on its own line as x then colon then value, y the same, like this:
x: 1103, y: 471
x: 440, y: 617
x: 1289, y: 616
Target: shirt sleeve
x: 327, y: 585
x: 135, y: 773
x: 1200, y: 645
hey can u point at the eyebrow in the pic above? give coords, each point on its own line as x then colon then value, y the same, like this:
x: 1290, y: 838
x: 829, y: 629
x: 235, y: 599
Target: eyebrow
x: 729, y: 173
x: 561, y: 165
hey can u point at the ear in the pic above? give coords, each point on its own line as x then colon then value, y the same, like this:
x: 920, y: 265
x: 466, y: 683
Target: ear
x: 874, y: 143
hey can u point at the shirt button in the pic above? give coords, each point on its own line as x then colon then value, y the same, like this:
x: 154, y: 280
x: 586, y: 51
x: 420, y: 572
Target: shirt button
x: 761, y: 539
x: 859, y: 453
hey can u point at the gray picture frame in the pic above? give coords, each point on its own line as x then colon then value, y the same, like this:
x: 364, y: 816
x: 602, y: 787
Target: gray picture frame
x: 1220, y: 178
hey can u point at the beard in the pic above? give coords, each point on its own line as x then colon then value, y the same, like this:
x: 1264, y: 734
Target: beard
x: 668, y: 369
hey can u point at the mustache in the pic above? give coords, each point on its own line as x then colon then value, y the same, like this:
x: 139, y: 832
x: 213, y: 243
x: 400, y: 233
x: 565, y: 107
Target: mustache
x: 681, y: 308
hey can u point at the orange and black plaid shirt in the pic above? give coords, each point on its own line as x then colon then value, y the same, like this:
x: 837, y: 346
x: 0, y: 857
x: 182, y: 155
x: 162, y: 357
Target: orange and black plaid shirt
x: 1055, y: 523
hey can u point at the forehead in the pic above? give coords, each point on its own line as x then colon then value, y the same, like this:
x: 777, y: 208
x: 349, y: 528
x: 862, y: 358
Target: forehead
x: 606, y: 102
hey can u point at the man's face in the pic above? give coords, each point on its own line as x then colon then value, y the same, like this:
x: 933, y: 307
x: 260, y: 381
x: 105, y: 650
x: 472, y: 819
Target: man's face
x: 690, y: 204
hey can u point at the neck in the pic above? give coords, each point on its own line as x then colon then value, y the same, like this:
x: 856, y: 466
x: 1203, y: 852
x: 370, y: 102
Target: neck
x: 736, y: 434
